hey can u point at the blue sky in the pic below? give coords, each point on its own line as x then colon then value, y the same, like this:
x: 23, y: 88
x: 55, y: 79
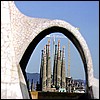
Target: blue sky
x: 82, y: 14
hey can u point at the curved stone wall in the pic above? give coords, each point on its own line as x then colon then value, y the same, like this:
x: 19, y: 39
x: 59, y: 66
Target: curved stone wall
x: 18, y: 31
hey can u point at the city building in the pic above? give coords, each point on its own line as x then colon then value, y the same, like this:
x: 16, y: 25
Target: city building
x: 56, y: 82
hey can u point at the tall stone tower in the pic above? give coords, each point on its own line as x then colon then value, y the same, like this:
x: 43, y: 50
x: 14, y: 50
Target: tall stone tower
x: 48, y: 66
x: 59, y: 73
x: 55, y: 67
x: 63, y: 72
x: 58, y: 66
x: 41, y: 69
x: 44, y: 71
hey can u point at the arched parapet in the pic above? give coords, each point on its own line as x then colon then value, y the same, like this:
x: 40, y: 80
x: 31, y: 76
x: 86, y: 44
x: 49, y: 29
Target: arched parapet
x: 25, y: 29
x: 22, y: 31
x: 77, y: 35
x: 22, y: 27
x: 31, y: 27
x: 74, y: 35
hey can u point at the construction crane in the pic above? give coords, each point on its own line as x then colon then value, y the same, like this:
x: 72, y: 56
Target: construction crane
x: 68, y: 70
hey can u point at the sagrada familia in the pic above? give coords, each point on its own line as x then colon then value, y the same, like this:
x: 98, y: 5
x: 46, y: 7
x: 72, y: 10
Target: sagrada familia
x: 48, y: 81
x: 19, y: 36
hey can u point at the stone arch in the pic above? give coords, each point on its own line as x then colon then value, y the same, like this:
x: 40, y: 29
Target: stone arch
x: 40, y: 26
x: 23, y: 32
x: 36, y: 25
x: 77, y: 42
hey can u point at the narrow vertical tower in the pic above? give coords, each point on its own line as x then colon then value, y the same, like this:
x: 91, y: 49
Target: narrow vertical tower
x: 63, y: 73
x: 59, y: 66
x: 68, y: 72
x: 55, y: 67
x: 61, y: 55
x: 41, y: 69
x: 46, y: 62
x: 44, y: 71
x: 48, y: 66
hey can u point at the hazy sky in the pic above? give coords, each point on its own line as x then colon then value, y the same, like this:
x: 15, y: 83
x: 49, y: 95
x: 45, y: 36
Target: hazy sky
x: 82, y: 14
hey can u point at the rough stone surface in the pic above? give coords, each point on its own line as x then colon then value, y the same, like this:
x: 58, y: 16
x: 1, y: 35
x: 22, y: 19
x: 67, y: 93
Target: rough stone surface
x: 17, y: 32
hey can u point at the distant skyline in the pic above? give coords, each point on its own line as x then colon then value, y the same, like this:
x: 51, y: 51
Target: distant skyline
x: 82, y: 14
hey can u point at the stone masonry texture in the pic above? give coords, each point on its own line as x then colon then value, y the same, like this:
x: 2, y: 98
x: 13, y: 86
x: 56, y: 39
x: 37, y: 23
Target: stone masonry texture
x: 17, y: 32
